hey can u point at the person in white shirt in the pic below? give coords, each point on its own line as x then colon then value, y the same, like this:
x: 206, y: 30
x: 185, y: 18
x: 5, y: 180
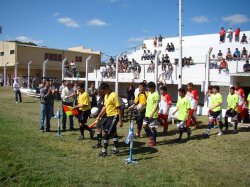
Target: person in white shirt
x: 17, y: 91
x: 73, y: 67
x: 68, y: 98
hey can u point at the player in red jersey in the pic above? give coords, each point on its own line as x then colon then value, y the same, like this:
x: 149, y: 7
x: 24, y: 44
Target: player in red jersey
x: 241, y: 93
x: 164, y: 107
x: 193, y: 97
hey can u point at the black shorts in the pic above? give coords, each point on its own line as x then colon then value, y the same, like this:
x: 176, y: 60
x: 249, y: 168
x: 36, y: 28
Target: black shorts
x: 100, y: 123
x: 234, y: 114
x: 83, y: 116
x: 109, y: 126
x: 215, y: 115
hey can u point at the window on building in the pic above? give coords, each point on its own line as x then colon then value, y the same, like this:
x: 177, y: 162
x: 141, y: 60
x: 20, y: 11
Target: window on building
x: 2, y: 53
x: 78, y: 59
x: 12, y: 52
x: 53, y: 57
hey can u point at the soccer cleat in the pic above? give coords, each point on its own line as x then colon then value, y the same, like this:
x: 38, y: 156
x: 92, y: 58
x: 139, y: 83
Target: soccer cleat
x: 115, y: 151
x: 92, y: 134
x: 41, y: 129
x: 207, y: 133
x: 220, y: 133
x: 47, y: 130
x: 235, y: 131
x: 97, y: 146
x: 81, y: 137
x: 103, y: 153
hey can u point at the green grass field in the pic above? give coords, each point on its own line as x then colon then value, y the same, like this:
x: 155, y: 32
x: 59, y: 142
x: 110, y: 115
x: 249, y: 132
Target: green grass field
x: 29, y: 157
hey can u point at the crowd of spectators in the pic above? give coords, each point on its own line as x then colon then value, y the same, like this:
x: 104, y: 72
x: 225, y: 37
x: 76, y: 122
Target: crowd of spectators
x: 230, y: 34
x: 237, y: 55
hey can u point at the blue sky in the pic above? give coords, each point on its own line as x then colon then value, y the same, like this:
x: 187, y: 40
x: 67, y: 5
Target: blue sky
x: 114, y: 25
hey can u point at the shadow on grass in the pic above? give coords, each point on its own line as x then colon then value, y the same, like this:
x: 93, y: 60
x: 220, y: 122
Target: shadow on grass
x: 30, y: 102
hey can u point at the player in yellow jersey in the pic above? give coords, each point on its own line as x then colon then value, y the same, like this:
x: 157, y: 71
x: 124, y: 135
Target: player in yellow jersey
x: 140, y: 103
x: 232, y: 109
x: 183, y: 108
x: 84, y: 108
x: 113, y: 117
x: 215, y: 111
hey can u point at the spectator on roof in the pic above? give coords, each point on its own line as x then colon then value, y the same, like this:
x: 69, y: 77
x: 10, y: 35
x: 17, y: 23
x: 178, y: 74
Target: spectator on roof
x: 223, y: 65
x: 237, y: 35
x: 244, y: 39
x: 219, y: 55
x: 144, y: 46
x: 246, y: 66
x: 244, y: 53
x: 155, y: 42
x: 229, y: 54
x: 230, y: 34
x: 168, y: 47
x: 172, y: 48
x: 236, y: 54
x: 222, y: 34
x: 160, y: 41
x: 166, y: 59
x: 149, y: 55
x: 191, y: 61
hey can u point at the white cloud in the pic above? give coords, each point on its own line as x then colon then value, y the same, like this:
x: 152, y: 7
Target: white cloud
x: 200, y: 19
x: 96, y: 22
x: 28, y: 39
x: 236, y: 19
x: 137, y: 39
x: 56, y: 14
x: 69, y: 22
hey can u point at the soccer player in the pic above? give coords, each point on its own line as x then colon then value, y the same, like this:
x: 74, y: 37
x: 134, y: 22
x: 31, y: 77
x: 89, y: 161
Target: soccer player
x: 232, y: 109
x: 215, y: 110
x: 140, y: 103
x: 84, y: 108
x: 193, y: 97
x: 150, y: 121
x: 241, y: 93
x: 164, y: 107
x: 113, y: 117
x: 100, y: 122
x: 183, y: 108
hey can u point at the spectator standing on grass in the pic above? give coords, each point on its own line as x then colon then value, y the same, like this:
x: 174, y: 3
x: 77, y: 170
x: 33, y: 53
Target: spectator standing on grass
x: 92, y: 94
x: 246, y: 66
x: 244, y: 39
x: 222, y: 34
x: 16, y: 87
x: 230, y: 34
x: 160, y: 41
x: 53, y: 88
x: 237, y: 35
x: 130, y: 94
x: 68, y: 98
x: 46, y: 99
x: 236, y: 54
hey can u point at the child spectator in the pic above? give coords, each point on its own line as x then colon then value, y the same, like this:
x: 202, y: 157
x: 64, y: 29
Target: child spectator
x: 246, y: 66
x: 222, y: 34
x: 151, y: 67
x: 244, y: 39
x: 229, y: 54
x: 236, y: 54
x: 237, y: 35
x: 244, y: 54
x: 223, y: 65
x: 144, y: 55
x: 230, y: 34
